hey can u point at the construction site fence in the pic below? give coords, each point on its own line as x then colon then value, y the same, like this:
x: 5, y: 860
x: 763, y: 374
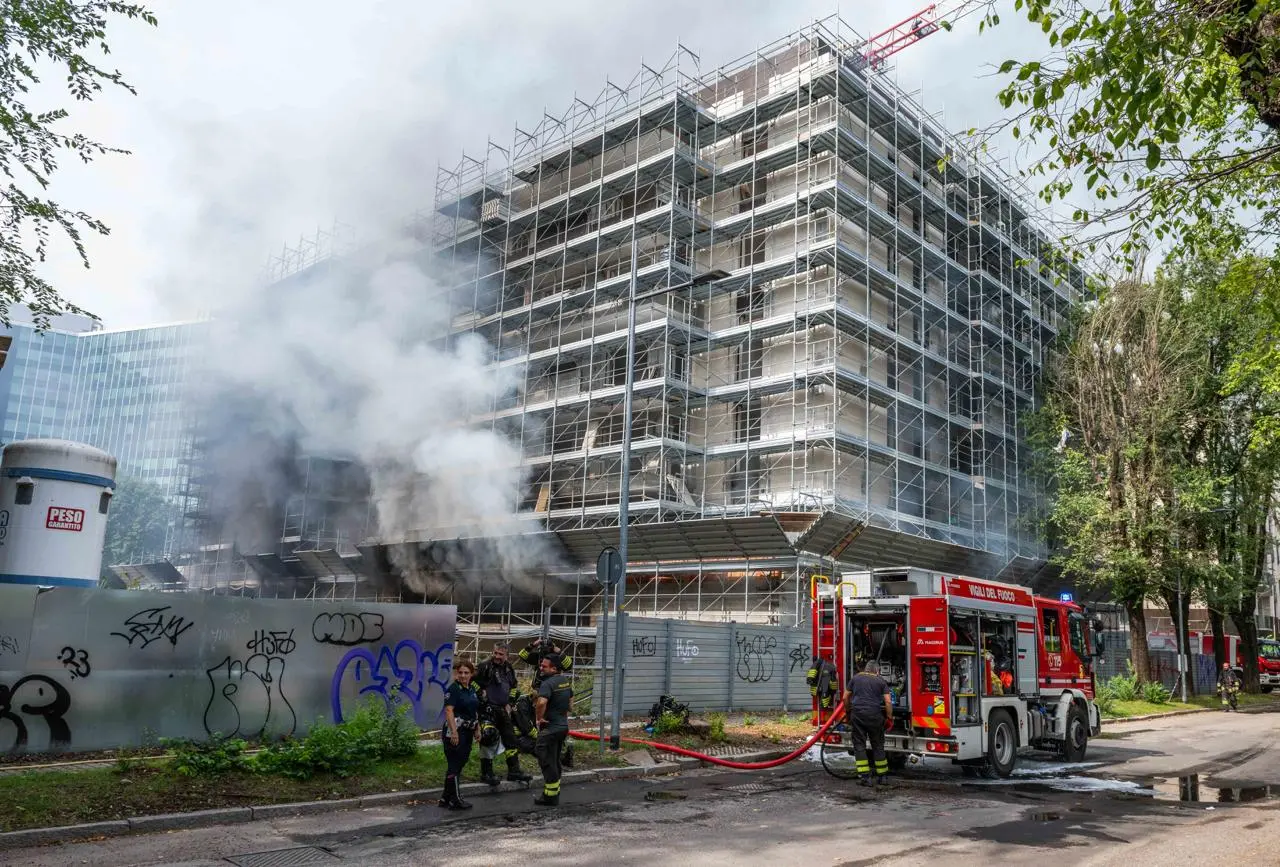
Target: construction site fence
x: 708, y: 666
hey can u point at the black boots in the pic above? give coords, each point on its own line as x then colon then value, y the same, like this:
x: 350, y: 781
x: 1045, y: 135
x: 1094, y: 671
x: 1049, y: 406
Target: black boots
x: 452, y: 799
x: 545, y: 800
x: 514, y: 774
x: 486, y: 773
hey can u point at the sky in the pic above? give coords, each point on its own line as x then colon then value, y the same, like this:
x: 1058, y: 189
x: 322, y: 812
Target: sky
x: 255, y: 123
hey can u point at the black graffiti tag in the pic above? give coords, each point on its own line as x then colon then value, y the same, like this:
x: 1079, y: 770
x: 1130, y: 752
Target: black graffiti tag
x: 151, y: 625
x: 9, y: 644
x: 274, y: 643
x: 799, y: 656
x: 347, y: 629
x: 246, y: 698
x: 644, y: 645
x: 75, y: 661
x: 34, y: 696
x: 755, y: 658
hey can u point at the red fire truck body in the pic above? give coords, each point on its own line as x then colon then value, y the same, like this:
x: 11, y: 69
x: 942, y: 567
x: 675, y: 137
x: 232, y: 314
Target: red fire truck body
x: 977, y: 669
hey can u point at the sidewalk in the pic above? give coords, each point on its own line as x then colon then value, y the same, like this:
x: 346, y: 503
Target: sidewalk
x: 642, y: 765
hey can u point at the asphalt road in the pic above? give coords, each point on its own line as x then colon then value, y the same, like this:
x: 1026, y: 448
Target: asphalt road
x: 1123, y: 807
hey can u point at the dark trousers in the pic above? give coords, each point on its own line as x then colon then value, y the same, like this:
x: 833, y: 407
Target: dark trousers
x: 456, y: 757
x: 868, y: 726
x: 547, y: 749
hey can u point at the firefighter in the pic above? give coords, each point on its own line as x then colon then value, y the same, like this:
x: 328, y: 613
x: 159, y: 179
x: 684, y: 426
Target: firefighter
x: 823, y: 681
x: 555, y: 695
x: 1228, y: 687
x: 870, y: 714
x: 533, y: 655
x: 497, y: 681
x: 537, y: 651
x: 461, y: 716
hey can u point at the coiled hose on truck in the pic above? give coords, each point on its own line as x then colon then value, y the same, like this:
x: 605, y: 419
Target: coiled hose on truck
x: 836, y: 716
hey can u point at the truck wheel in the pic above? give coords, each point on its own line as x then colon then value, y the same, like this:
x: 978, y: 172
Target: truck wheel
x: 1002, y: 745
x: 1076, y: 742
x: 1267, y: 688
x: 897, y: 761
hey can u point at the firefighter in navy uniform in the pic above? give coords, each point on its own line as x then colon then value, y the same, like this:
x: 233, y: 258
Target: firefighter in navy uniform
x: 870, y: 713
x: 1228, y: 687
x: 555, y: 695
x: 533, y: 655
x: 497, y: 681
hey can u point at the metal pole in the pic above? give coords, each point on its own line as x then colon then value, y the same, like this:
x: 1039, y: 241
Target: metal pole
x: 624, y: 503
x: 603, y: 643
x: 1182, y: 643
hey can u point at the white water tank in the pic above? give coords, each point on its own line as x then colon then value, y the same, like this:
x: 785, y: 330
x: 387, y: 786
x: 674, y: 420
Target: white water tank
x: 54, y: 499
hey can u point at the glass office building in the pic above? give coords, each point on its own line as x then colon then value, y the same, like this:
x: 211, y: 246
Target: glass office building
x: 122, y: 391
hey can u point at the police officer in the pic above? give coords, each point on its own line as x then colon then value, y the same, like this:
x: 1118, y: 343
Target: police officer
x: 496, y: 678
x: 461, y: 715
x: 555, y: 695
x: 870, y: 712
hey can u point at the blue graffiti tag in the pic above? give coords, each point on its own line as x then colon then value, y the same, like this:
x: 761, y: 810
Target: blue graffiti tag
x: 405, y: 673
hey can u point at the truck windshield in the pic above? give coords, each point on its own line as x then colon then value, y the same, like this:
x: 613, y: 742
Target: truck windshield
x: 1269, y: 650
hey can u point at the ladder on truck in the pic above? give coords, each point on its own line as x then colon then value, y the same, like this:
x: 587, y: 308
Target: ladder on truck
x: 828, y: 638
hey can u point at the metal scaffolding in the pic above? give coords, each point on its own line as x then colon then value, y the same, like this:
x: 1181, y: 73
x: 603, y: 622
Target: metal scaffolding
x: 861, y: 373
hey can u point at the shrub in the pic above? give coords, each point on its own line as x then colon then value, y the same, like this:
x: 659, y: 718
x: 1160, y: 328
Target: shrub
x: 350, y: 747
x: 1125, y: 686
x: 1105, y: 698
x: 1156, y: 693
x: 206, y: 758
x: 668, y: 722
x: 716, y: 734
x: 748, y: 720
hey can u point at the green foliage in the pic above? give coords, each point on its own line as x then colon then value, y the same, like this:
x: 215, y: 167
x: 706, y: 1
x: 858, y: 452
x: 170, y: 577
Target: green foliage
x: 668, y: 723
x: 353, y: 746
x: 716, y: 734
x: 1165, y: 112
x: 63, y: 37
x: 1124, y: 687
x: 137, y: 522
x: 1156, y: 693
x: 1105, y: 698
x: 207, y: 758
x: 748, y: 720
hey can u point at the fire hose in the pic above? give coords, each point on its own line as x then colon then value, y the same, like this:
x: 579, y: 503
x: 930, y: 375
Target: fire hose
x: 836, y: 716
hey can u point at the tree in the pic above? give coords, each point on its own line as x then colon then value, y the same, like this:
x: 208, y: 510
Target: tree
x: 1120, y: 389
x: 1167, y: 110
x: 137, y: 523
x: 38, y: 36
x: 1165, y: 489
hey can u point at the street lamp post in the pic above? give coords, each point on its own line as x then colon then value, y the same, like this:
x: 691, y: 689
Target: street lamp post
x: 624, y: 510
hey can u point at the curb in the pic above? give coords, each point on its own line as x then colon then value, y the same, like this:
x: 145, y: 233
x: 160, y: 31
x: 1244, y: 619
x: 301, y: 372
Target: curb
x: 1147, y: 716
x: 240, y: 815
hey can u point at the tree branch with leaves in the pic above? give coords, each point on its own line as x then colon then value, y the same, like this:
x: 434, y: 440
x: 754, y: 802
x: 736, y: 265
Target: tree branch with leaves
x: 40, y: 38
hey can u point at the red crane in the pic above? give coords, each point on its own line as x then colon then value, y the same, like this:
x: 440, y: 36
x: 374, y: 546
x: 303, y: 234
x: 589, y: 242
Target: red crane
x: 907, y: 32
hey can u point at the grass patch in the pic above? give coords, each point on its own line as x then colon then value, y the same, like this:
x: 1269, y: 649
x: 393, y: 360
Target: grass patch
x: 1138, y: 707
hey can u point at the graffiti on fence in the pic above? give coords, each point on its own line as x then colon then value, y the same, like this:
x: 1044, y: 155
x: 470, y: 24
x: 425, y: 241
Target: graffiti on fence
x: 31, y: 698
x: 686, y: 651
x: 644, y: 646
x: 76, y: 662
x: 151, y: 625
x: 800, y: 657
x: 755, y: 658
x: 405, y: 673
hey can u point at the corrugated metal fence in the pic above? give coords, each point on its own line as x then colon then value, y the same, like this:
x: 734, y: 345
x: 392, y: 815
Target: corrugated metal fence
x: 710, y: 666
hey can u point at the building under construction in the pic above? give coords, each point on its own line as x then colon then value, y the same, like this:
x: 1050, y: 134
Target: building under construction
x: 849, y: 392
x: 852, y: 389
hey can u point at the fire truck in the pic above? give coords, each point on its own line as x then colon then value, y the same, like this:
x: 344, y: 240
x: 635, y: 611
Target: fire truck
x: 977, y: 669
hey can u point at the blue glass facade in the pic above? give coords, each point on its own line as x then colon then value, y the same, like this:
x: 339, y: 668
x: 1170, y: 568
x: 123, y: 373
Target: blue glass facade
x: 121, y: 391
